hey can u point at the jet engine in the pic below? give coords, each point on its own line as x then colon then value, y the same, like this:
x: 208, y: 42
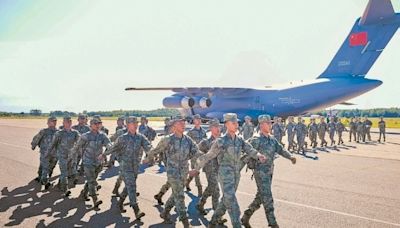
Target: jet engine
x: 178, y: 102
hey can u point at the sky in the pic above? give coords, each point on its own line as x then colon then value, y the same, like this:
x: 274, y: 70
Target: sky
x: 80, y: 55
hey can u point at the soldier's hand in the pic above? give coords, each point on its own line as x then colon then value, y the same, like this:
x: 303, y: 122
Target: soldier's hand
x: 262, y: 158
x: 193, y: 173
x: 293, y: 159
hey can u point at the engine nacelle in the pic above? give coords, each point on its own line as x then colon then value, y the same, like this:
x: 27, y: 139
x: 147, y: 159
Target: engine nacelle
x: 178, y: 102
x: 202, y: 102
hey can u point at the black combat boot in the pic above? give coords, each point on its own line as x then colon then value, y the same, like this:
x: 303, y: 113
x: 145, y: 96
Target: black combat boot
x: 246, y: 218
x: 185, y: 223
x: 200, y: 207
x: 96, y: 203
x: 121, y: 205
x: 137, y: 211
x: 158, y: 197
x: 166, y: 216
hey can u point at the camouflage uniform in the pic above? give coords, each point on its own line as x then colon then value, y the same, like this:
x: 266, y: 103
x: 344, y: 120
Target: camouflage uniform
x: 81, y: 128
x: 128, y: 147
x: 197, y: 135
x: 228, y: 152
x: 47, y: 160
x: 368, y: 125
x: 178, y: 152
x: 91, y: 146
x: 277, y: 130
x: 268, y: 146
x: 360, y: 131
x: 312, y: 133
x: 301, y: 132
x: 247, y: 129
x: 211, y: 171
x: 322, y: 129
x: 332, y: 130
x: 382, y: 130
x: 340, y: 128
x: 290, y: 129
x: 63, y: 144
x: 353, y: 130
x: 118, y: 182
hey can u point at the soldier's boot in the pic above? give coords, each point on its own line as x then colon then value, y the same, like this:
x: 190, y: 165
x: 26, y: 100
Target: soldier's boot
x: 158, y: 197
x: 98, y: 187
x: 200, y: 191
x: 67, y: 193
x: 166, y: 216
x: 246, y: 218
x: 115, y: 190
x: 96, y: 202
x: 83, y: 195
x: 200, y: 206
x: 47, y: 186
x: 139, y: 214
x: 185, y: 223
x: 121, y: 205
x: 274, y: 226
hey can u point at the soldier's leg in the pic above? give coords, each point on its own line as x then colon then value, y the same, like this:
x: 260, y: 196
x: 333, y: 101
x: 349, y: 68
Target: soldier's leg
x: 122, y: 198
x: 45, y: 163
x: 91, y: 173
x: 199, y: 186
x: 177, y: 186
x: 117, y: 184
x: 254, y: 206
x: 129, y: 177
x: 162, y: 192
x: 229, y: 186
x: 63, y: 164
x: 52, y: 164
x: 209, y: 191
x: 267, y: 199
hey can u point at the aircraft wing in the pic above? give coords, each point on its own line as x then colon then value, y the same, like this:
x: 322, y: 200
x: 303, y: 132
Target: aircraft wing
x: 195, y: 91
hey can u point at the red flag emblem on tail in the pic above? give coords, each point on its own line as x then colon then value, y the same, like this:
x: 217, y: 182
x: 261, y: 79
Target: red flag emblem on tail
x: 358, y: 39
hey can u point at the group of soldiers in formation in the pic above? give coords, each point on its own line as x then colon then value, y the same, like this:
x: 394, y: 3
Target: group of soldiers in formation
x: 82, y: 149
x: 359, y: 130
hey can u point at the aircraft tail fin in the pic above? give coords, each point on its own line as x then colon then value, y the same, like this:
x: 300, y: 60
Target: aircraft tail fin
x: 366, y: 41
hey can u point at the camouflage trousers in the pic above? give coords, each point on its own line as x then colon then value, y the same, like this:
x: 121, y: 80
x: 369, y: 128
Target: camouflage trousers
x: 196, y: 178
x: 229, y: 181
x: 91, y: 174
x: 332, y: 136
x: 368, y: 133
x: 382, y: 133
x: 322, y: 138
x: 300, y: 142
x: 340, y: 139
x: 313, y: 138
x: 67, y: 170
x: 278, y: 137
x: 47, y: 164
x: 360, y: 136
x: 352, y: 133
x: 212, y: 189
x: 177, y: 197
x: 129, y: 177
x: 164, y: 189
x: 263, y: 196
x: 291, y: 143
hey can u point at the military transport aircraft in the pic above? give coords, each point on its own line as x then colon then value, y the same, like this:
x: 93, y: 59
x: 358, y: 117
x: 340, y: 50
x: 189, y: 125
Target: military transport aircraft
x: 342, y: 80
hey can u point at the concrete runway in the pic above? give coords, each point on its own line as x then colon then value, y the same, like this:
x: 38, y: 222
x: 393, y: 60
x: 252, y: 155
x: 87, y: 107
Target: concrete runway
x: 357, y: 185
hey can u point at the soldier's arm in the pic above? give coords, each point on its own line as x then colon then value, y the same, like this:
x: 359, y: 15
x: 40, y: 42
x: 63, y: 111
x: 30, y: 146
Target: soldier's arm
x: 249, y: 150
x: 194, y: 151
x: 36, y: 139
x: 79, y: 146
x: 117, y: 146
x: 161, y: 147
x: 146, y: 145
x: 215, y: 149
x: 54, y: 143
x: 282, y: 151
x: 203, y: 146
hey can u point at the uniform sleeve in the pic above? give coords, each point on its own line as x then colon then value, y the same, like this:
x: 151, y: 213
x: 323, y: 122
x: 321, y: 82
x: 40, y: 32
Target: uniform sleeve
x: 146, y: 144
x: 79, y: 146
x: 116, y: 147
x: 215, y: 149
x: 106, y: 142
x: 54, y: 143
x: 203, y: 146
x: 194, y: 150
x: 248, y: 149
x: 161, y: 147
x: 36, y: 139
x: 282, y: 151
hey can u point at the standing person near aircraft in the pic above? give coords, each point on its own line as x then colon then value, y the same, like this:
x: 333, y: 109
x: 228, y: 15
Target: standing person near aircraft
x: 247, y: 129
x: 322, y: 129
x: 353, y: 129
x: 332, y: 130
x: 340, y: 128
x: 382, y: 129
x: 290, y: 129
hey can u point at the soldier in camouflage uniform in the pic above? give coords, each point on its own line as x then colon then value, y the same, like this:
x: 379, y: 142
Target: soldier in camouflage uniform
x: 120, y: 126
x: 82, y: 128
x: 102, y: 128
x: 353, y: 129
x: 382, y: 129
x: 91, y: 146
x: 322, y: 129
x: 63, y: 143
x: 277, y: 130
x: 290, y: 129
x: 283, y: 127
x: 269, y: 147
x: 128, y: 147
x: 210, y: 169
x: 118, y: 182
x: 197, y: 133
x: 228, y: 150
x: 47, y: 160
x: 247, y: 129
x: 340, y: 128
x: 360, y: 130
x: 301, y: 132
x: 313, y: 132
x: 178, y: 149
x: 332, y: 130
x: 368, y: 125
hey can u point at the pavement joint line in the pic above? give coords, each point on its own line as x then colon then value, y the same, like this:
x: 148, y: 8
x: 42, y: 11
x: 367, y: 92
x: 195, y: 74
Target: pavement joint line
x: 309, y: 206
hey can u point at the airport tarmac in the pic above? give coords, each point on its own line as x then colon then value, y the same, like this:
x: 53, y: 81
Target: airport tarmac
x: 355, y: 185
